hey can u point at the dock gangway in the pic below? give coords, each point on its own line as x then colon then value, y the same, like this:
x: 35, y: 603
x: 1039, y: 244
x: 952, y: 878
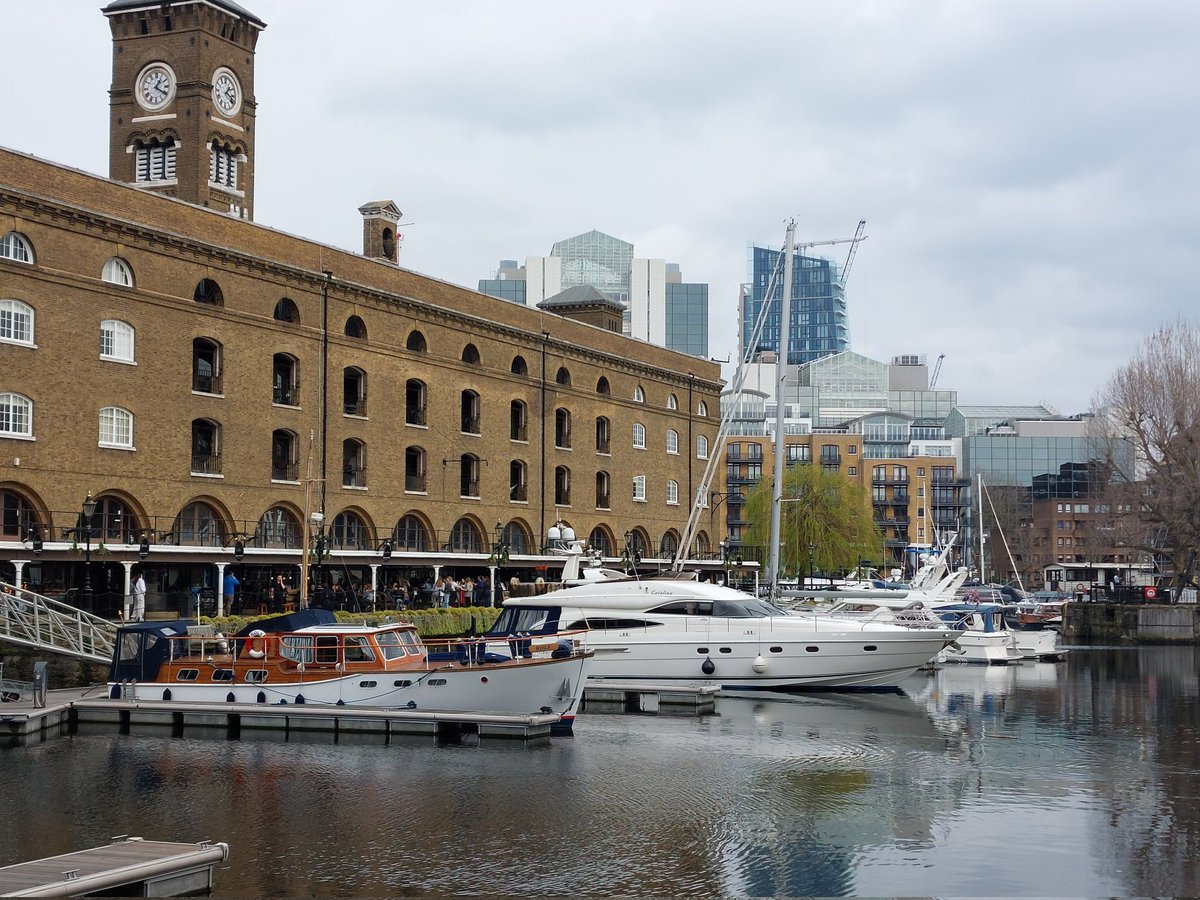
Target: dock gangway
x: 33, y: 620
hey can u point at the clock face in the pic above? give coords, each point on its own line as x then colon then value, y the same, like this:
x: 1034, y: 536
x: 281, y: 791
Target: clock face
x: 155, y: 86
x: 226, y: 92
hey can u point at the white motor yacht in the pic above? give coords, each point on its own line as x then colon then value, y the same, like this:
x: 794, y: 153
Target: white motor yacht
x: 679, y: 630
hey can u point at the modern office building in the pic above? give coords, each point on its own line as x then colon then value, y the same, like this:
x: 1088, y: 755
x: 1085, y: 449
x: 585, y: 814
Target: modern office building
x: 819, y: 324
x: 183, y: 390
x: 659, y: 307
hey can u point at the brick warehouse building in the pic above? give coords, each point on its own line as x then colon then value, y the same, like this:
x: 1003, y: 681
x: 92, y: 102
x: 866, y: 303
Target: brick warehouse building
x: 212, y: 383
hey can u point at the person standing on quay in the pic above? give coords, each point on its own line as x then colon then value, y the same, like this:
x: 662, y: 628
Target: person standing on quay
x: 139, y: 599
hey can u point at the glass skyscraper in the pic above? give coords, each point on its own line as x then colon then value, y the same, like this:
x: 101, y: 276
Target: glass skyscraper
x: 819, y: 325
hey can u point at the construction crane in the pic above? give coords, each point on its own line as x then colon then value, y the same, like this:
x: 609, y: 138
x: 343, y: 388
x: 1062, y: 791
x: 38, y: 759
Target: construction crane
x: 854, y: 241
x: 937, y: 370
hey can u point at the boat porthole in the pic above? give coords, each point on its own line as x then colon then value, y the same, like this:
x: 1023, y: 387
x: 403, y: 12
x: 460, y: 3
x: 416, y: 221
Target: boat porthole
x: 776, y: 649
x: 708, y: 666
x: 726, y: 649
x: 870, y: 648
x: 702, y: 650
x: 483, y: 679
x: 811, y: 649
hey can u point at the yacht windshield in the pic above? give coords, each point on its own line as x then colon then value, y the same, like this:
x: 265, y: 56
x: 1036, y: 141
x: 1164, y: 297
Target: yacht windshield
x: 748, y: 608
x: 526, y: 620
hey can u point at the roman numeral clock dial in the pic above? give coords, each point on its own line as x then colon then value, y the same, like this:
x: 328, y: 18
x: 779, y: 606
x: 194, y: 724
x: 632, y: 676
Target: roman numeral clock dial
x: 155, y: 87
x: 226, y: 92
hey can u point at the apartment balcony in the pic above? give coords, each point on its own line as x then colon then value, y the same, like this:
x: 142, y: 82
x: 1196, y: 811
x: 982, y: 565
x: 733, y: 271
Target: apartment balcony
x: 207, y: 464
x: 414, y: 483
x: 354, y: 476
x: 288, y: 472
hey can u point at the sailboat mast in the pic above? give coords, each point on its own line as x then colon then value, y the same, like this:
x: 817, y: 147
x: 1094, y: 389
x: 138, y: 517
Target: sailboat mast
x: 785, y: 328
x: 979, y: 482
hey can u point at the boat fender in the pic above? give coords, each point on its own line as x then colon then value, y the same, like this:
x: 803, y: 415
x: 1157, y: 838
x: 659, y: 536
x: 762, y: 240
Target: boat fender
x: 412, y: 704
x: 760, y: 664
x: 708, y: 666
x: 258, y: 643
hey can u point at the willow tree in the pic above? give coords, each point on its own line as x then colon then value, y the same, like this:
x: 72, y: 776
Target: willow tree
x: 825, y: 523
x: 1151, y: 406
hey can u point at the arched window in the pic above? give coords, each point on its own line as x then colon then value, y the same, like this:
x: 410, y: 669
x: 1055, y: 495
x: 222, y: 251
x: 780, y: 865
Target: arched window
x: 517, y: 539
x: 116, y: 428
x: 16, y: 322
x: 702, y: 409
x: 208, y: 291
x: 639, y: 488
x: 17, y: 514
x: 639, y: 395
x: 701, y: 447
x: 518, y: 421
x: 469, y: 409
x: 349, y: 531
x: 603, y: 490
x: 470, y: 355
x: 465, y: 538
x: 285, y: 380
x: 703, y: 545
x: 414, y: 469
x: 416, y: 343
x: 519, y: 366
x: 278, y: 528
x: 563, y: 376
x: 562, y: 428
x: 354, y: 391
x: 672, y: 493
x: 16, y: 415
x: 414, y: 402
x: 639, y: 436
x: 518, y: 481
x: 354, y: 463
x: 410, y: 534
x: 198, y: 525
x: 14, y: 246
x: 117, y: 271
x: 206, y: 366
x: 116, y: 340
x: 468, y: 476
x: 668, y: 545
x: 223, y: 162
x: 672, y: 402
x: 602, y: 386
x: 598, y: 542
x: 285, y: 455
x: 114, y: 521
x: 603, y: 435
x: 286, y: 311
x: 562, y: 486
x: 356, y: 328
x: 206, y: 447
x: 672, y: 440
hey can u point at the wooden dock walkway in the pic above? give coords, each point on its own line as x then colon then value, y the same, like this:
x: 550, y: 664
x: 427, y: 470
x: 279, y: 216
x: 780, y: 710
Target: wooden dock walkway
x: 127, y: 866
x: 639, y: 696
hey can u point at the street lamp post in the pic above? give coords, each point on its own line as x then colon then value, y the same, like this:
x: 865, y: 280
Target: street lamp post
x: 89, y: 510
x: 812, y: 552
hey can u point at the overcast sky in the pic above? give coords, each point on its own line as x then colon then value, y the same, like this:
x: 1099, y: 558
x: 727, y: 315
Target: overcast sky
x: 1029, y: 170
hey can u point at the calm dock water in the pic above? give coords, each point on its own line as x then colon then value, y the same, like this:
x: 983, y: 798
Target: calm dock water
x: 1050, y: 779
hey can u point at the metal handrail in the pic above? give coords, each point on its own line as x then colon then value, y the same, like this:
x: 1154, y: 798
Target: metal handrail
x: 33, y: 620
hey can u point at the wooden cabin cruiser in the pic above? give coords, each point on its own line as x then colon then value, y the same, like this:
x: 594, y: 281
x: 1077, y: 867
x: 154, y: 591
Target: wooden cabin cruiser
x: 308, y: 657
x: 982, y: 637
x: 679, y: 630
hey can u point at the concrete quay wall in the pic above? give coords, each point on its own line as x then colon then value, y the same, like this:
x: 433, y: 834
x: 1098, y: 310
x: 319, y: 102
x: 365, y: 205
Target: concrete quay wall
x: 1132, y: 623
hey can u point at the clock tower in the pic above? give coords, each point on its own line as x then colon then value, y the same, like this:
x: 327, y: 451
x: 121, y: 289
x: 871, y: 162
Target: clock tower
x: 181, y: 105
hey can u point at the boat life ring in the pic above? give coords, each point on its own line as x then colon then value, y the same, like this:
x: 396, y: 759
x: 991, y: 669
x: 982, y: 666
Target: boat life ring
x: 1150, y: 593
x: 258, y: 643
x: 1080, y: 588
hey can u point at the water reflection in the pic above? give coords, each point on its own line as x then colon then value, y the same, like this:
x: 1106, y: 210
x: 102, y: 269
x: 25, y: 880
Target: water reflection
x: 1072, y: 778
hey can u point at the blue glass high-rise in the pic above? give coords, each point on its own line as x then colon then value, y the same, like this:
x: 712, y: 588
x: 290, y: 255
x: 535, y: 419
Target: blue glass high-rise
x: 819, y: 324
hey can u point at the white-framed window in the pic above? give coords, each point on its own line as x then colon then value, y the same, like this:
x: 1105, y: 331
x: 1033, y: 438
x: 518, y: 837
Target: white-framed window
x: 14, y: 246
x: 672, y: 441
x: 154, y: 161
x: 116, y: 340
x: 702, y: 408
x: 16, y: 322
x: 16, y: 416
x: 701, y: 447
x: 672, y: 493
x: 672, y: 402
x: 116, y: 427
x: 117, y: 271
x: 639, y: 396
x: 222, y: 166
x: 639, y: 488
x: 639, y: 436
